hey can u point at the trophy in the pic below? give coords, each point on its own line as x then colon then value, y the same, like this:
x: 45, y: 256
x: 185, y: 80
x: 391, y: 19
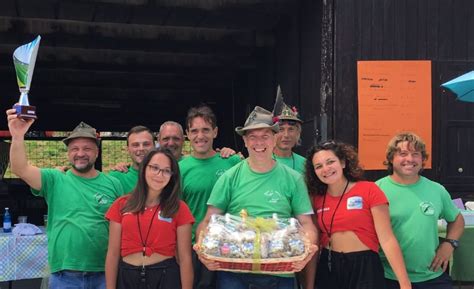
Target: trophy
x: 24, y: 58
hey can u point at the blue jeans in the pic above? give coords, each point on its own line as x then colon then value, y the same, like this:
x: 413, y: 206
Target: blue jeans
x: 442, y: 282
x: 77, y: 280
x: 203, y: 278
x: 229, y: 280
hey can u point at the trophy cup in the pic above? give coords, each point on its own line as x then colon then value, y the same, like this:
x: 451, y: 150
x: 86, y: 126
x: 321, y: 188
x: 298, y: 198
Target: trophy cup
x: 24, y: 58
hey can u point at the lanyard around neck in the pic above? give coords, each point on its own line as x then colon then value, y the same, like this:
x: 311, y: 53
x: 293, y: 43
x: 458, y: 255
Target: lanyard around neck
x: 329, y: 232
x: 148, y: 232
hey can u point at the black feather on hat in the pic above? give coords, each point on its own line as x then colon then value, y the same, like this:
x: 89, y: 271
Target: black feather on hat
x: 282, y: 111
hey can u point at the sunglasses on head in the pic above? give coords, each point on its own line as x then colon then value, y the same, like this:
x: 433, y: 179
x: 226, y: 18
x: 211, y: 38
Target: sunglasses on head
x: 327, y: 144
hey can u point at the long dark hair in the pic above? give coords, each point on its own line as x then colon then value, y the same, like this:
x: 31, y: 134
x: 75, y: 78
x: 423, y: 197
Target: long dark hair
x: 344, y: 152
x: 169, y: 197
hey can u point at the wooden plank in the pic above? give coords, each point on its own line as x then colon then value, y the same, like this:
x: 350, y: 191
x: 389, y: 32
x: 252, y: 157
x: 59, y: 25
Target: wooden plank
x: 119, y: 57
x: 327, y: 68
x: 60, y: 39
x: 421, y: 28
x: 124, y: 78
x: 377, y: 29
x: 388, y: 35
x: 411, y: 28
x: 149, y: 15
x: 460, y: 30
x: 8, y: 8
x: 288, y: 54
x: 75, y: 10
x: 364, y: 16
x: 445, y: 29
x: 36, y: 9
x: 308, y: 96
x: 432, y: 21
x: 400, y: 36
x: 184, y: 17
x: 470, y: 31
x: 348, y: 29
x: 246, y: 15
x: 46, y: 27
x: 112, y: 13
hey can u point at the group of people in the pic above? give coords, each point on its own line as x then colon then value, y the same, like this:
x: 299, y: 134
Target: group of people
x: 136, y: 227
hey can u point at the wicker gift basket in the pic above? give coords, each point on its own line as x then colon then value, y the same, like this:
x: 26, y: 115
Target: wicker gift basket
x: 245, y: 244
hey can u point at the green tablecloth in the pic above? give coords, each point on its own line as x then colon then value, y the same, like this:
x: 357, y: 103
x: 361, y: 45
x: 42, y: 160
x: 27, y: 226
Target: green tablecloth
x: 462, y: 267
x: 463, y: 257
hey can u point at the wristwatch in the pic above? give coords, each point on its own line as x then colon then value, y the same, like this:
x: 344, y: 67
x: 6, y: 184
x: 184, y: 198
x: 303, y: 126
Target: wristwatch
x: 454, y: 243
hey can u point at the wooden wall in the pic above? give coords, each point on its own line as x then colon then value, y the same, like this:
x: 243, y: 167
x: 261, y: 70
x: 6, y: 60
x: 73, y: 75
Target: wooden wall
x: 293, y: 62
x: 436, y: 30
x: 298, y: 58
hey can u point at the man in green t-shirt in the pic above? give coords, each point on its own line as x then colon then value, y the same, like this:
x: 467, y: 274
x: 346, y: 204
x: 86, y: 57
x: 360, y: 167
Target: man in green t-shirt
x: 263, y: 187
x: 416, y: 205
x: 140, y: 140
x: 171, y: 136
x: 288, y: 137
x: 199, y: 173
x: 77, y: 201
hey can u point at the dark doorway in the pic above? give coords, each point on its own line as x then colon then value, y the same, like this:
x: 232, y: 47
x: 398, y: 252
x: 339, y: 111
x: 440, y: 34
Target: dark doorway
x: 456, y: 135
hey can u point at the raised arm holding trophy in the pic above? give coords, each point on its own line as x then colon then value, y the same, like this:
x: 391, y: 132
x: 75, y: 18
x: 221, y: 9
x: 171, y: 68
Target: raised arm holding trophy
x: 24, y: 58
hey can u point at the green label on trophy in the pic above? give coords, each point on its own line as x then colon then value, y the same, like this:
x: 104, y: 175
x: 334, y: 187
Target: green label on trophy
x: 24, y: 59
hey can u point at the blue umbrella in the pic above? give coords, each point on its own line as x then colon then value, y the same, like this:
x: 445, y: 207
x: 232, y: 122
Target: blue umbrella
x: 462, y: 86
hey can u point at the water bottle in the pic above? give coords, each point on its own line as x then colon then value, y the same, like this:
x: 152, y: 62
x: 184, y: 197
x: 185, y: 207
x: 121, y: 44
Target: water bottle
x: 7, y: 221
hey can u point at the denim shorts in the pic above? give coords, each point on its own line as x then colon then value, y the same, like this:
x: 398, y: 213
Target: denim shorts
x: 67, y: 279
x: 441, y: 282
x: 230, y: 280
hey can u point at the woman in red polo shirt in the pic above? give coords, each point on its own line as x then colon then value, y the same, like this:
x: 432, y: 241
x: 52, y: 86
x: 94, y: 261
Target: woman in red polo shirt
x: 146, y: 228
x: 353, y: 220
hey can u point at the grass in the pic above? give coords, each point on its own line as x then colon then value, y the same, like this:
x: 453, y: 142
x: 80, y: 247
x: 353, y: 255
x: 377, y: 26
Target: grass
x: 52, y: 153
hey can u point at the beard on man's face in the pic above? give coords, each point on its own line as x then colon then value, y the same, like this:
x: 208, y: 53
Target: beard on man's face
x: 83, y: 167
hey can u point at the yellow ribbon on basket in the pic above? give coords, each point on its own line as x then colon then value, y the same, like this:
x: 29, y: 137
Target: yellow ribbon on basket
x: 260, y: 225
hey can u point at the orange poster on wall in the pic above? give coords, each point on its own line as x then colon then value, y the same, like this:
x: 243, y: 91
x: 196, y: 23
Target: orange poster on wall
x: 394, y: 96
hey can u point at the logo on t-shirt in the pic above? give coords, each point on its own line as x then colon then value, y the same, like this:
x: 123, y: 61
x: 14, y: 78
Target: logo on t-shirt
x: 355, y: 203
x: 427, y: 208
x: 319, y: 211
x: 273, y: 197
x: 102, y: 199
x: 220, y: 172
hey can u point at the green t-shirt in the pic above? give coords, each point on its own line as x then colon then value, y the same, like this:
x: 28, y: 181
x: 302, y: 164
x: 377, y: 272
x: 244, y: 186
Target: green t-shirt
x: 295, y: 162
x: 128, y: 179
x: 198, y: 177
x: 77, y: 230
x: 414, y: 212
x: 281, y: 190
